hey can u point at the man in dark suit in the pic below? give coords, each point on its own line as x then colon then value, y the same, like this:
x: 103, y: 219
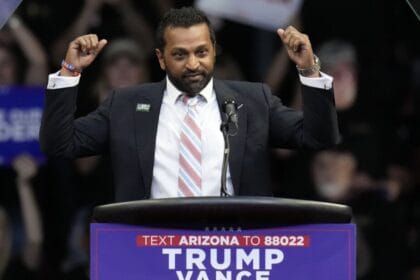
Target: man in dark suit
x: 164, y: 138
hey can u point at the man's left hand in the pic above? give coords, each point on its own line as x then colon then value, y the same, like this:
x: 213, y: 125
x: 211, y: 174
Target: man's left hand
x: 298, y: 46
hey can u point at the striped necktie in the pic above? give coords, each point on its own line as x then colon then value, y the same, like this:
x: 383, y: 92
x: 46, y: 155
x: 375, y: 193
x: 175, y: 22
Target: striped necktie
x: 189, y: 178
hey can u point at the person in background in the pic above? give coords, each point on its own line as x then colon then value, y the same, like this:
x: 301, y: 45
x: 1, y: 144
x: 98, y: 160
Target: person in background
x: 5, y: 241
x: 339, y: 60
x: 131, y: 23
x: 76, y: 264
x: 18, y: 36
x: 23, y: 61
x: 227, y: 68
x: 378, y: 211
x: 26, y: 263
x: 124, y: 64
x: 360, y: 135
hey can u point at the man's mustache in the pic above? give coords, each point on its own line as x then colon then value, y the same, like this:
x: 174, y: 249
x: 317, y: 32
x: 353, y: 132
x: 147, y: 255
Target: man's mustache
x: 194, y: 73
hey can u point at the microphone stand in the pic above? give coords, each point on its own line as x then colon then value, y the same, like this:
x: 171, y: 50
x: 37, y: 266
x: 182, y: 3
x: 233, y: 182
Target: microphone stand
x: 229, y: 127
x: 226, y: 151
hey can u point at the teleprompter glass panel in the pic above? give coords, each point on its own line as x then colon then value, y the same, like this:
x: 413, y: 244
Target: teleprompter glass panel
x: 415, y: 6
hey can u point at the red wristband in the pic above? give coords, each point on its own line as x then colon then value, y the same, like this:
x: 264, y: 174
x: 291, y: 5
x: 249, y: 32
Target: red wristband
x: 71, y: 68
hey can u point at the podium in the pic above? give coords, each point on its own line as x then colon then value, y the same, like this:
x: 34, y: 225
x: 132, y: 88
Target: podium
x: 229, y: 238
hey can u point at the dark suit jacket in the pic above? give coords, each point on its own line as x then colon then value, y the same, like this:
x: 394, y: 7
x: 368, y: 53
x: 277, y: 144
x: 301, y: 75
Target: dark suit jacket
x: 129, y: 135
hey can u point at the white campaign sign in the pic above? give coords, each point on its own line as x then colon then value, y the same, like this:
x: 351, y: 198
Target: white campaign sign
x: 265, y: 14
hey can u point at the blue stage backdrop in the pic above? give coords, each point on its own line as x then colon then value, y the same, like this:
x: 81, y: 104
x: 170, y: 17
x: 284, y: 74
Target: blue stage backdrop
x: 20, y: 118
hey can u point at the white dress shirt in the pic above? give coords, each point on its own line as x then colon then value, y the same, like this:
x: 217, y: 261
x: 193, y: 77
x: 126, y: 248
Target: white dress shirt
x: 166, y: 165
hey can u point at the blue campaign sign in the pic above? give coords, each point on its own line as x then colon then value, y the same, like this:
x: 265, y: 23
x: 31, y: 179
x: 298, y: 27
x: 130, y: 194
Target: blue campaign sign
x: 301, y: 252
x: 20, y: 118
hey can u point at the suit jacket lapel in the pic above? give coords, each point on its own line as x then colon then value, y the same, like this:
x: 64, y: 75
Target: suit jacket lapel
x: 237, y: 142
x: 148, y: 104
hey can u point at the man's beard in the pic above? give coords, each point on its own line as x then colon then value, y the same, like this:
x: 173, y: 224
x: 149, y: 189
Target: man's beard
x: 188, y: 86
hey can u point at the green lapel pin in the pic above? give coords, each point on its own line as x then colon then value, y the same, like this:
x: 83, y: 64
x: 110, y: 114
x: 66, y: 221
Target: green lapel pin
x: 142, y: 107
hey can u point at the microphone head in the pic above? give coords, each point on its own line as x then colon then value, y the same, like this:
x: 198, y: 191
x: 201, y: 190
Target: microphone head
x: 230, y: 109
x: 229, y: 106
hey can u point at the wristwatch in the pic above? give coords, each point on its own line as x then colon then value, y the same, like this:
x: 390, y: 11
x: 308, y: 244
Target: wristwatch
x: 310, y: 70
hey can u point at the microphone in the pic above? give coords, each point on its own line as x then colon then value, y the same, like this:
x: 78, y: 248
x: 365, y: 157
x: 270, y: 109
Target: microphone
x: 229, y: 127
x: 230, y: 108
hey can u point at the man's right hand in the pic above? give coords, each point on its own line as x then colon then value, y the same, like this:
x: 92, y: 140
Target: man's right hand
x: 82, y: 52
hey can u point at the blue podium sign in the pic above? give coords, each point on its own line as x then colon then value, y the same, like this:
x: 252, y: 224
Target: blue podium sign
x: 20, y: 118
x: 316, y: 252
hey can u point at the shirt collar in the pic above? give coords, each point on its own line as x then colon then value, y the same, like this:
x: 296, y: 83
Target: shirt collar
x: 173, y: 93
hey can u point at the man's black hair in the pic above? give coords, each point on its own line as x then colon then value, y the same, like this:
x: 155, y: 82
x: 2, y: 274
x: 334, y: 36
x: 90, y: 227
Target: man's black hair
x: 183, y: 17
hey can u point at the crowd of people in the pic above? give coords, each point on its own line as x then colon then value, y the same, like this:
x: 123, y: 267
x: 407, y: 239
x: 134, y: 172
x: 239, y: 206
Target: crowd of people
x: 45, y: 209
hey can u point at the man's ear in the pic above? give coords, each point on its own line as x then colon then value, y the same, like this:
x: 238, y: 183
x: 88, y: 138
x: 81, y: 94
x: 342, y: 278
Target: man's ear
x: 159, y: 55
